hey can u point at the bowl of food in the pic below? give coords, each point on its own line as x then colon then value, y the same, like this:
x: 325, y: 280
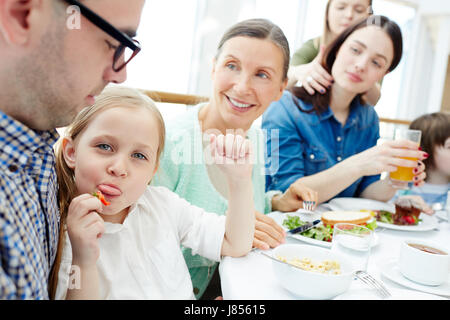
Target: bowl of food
x: 311, y: 272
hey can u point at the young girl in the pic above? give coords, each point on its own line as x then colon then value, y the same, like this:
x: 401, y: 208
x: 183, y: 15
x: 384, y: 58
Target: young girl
x: 435, y: 140
x: 328, y: 142
x: 127, y: 246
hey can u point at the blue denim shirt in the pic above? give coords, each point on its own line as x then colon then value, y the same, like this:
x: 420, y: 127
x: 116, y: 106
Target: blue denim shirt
x: 309, y: 143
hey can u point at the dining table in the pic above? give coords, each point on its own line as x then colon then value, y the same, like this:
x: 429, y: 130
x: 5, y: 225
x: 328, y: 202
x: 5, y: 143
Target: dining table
x: 252, y: 277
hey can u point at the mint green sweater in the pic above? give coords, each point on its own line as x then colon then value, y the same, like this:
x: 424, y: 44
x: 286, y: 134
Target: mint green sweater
x: 183, y: 170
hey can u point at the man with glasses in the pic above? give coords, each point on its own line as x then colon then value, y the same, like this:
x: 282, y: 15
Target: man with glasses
x: 48, y: 73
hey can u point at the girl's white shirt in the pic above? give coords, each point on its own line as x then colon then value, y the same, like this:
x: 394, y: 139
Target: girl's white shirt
x: 141, y: 258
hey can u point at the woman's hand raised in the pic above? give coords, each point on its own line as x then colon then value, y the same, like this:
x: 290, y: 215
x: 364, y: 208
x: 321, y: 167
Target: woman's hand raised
x: 387, y: 157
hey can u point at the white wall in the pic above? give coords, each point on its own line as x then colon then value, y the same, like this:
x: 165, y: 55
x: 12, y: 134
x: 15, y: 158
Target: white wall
x: 219, y: 15
x: 179, y: 39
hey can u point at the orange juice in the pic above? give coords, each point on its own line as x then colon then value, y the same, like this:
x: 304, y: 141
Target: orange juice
x: 404, y: 173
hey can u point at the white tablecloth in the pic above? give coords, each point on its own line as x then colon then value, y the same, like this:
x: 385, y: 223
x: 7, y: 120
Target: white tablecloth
x: 251, y: 277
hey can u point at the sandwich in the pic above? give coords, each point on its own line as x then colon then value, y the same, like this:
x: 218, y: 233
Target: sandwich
x: 361, y: 218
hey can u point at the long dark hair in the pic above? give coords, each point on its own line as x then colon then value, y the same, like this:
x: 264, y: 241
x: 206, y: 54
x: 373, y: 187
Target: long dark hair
x: 321, y: 102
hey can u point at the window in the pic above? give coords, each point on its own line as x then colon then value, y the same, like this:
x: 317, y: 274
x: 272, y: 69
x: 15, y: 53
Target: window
x: 179, y: 39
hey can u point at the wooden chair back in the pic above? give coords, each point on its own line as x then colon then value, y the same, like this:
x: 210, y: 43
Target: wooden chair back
x: 190, y: 99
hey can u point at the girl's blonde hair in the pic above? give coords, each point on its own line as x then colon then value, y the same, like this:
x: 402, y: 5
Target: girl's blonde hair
x: 111, y: 97
x: 326, y: 37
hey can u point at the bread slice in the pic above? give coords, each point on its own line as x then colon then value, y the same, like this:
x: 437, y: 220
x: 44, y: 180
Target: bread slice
x: 356, y: 217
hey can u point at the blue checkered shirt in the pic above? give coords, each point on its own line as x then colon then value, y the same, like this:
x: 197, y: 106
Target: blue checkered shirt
x: 29, y: 217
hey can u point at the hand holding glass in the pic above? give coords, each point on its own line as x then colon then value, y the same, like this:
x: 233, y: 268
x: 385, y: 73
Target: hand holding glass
x: 403, y: 176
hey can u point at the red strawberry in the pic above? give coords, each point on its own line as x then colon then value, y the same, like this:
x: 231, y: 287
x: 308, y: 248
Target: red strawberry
x: 409, y: 219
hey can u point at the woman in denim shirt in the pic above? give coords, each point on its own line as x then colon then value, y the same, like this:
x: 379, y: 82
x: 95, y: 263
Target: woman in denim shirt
x: 328, y: 141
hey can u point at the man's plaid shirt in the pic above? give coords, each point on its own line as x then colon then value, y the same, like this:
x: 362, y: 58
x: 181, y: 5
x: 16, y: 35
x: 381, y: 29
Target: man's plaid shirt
x: 29, y: 217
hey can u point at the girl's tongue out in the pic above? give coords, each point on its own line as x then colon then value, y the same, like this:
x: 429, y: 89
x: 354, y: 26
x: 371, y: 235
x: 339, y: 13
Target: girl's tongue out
x: 108, y: 190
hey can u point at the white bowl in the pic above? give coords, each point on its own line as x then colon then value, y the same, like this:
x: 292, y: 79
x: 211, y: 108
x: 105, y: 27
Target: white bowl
x: 309, y: 284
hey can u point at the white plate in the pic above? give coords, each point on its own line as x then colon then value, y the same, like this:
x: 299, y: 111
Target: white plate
x: 357, y: 204
x: 397, y: 294
x: 391, y: 271
x: 427, y: 223
x: 441, y: 215
x: 279, y: 218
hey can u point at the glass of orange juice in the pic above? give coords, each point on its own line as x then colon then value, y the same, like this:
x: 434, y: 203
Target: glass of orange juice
x: 403, y: 177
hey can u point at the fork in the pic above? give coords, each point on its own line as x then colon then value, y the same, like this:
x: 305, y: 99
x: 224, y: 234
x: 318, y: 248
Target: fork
x: 309, y: 205
x: 373, y: 283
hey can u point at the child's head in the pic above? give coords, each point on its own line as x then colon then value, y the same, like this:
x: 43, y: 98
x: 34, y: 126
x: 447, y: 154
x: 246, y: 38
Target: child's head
x: 112, y: 146
x: 435, y: 140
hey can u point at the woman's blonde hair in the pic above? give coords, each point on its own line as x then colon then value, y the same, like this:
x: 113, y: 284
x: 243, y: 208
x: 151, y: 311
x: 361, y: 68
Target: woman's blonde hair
x: 326, y: 37
x: 111, y: 97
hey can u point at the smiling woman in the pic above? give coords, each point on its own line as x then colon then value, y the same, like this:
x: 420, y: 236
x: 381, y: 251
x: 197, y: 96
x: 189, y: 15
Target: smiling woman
x: 247, y: 77
x: 249, y: 72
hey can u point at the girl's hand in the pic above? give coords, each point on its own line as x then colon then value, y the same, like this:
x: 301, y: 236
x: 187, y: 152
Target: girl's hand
x: 85, y: 226
x: 292, y: 199
x: 313, y: 75
x: 418, y: 200
x: 233, y: 155
x: 389, y: 156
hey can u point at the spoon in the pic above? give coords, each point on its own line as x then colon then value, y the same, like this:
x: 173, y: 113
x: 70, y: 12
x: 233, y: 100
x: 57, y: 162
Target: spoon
x: 278, y: 260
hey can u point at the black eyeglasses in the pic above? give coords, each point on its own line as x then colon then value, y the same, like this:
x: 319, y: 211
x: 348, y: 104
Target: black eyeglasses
x: 128, y: 47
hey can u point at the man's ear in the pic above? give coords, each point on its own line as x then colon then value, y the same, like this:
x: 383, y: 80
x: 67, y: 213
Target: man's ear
x: 15, y: 17
x: 68, y: 149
